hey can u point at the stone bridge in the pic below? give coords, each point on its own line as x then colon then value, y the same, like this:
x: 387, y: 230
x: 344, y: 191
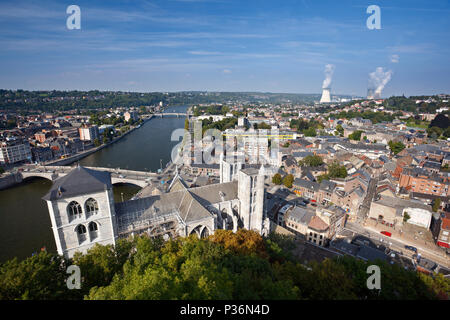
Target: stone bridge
x: 138, y: 178
x: 176, y: 114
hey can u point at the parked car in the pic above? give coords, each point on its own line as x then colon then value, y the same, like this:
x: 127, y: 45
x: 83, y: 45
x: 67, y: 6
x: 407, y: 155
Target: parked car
x: 411, y: 248
x: 386, y: 233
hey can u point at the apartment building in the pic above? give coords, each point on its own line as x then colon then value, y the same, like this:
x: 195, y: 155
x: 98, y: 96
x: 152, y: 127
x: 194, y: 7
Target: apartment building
x: 422, y: 181
x: 88, y: 133
x: 13, y: 150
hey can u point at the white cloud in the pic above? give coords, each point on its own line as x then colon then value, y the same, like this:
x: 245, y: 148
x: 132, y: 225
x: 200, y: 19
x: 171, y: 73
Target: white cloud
x: 395, y: 58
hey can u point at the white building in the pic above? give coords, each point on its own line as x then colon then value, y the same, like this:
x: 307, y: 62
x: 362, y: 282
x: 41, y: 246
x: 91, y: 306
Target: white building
x: 83, y: 212
x: 419, y: 217
x: 131, y: 115
x: 14, y: 150
x: 89, y: 133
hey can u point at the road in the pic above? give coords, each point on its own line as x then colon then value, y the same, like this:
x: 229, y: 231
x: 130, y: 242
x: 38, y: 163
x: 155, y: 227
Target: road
x: 396, y: 244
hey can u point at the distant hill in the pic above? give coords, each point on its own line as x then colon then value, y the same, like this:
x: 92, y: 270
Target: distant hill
x: 47, y: 101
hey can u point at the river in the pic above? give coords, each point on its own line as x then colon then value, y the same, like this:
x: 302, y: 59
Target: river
x: 24, y: 220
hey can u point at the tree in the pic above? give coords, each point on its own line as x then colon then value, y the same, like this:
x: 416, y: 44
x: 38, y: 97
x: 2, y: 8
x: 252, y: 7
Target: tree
x: 2, y: 171
x: 311, y: 161
x: 441, y: 121
x: 406, y: 217
x: 310, y: 132
x: 276, y: 179
x: 97, y: 142
x: 226, y: 265
x: 337, y: 171
x: 40, y: 277
x: 436, y: 204
x: 434, y: 132
x: 288, y: 180
x: 355, y: 135
x: 263, y: 125
x: 340, y: 130
x: 396, y: 146
x: 186, y: 124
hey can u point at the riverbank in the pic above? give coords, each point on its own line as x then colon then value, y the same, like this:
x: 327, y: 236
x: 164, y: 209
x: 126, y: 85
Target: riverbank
x: 25, y: 224
x: 79, y: 156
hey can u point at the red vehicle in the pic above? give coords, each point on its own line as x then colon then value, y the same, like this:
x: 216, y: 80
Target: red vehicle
x: 386, y: 233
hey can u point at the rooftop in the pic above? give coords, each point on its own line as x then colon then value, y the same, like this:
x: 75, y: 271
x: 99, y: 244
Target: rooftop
x: 79, y: 181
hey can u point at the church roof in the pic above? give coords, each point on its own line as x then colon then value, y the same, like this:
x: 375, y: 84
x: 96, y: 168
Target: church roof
x: 215, y: 193
x: 177, y: 184
x: 189, y: 203
x: 79, y: 181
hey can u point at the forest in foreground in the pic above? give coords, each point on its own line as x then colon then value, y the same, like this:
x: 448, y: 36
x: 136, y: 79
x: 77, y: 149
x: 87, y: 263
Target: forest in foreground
x: 226, y: 265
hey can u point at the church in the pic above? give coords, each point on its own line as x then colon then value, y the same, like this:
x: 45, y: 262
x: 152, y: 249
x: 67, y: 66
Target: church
x: 83, y: 211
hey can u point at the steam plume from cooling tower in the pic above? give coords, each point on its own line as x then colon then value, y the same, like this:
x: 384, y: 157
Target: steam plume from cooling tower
x: 377, y: 81
x: 329, y: 70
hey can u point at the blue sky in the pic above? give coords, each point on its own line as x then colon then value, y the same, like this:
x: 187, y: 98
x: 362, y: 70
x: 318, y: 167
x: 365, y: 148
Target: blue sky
x: 219, y: 45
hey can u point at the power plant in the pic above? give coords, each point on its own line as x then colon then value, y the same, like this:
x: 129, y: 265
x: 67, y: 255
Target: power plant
x: 326, y: 98
x: 372, y: 94
x: 377, y: 81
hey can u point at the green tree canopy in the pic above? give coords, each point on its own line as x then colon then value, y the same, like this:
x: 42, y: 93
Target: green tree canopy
x: 311, y: 161
x: 226, y: 265
x: 337, y: 171
x: 440, y: 121
x: 276, y: 179
x: 396, y: 146
x: 436, y: 204
x: 355, y: 135
x: 288, y: 180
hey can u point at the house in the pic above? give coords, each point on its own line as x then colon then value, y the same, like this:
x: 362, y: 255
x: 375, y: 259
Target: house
x: 306, y: 188
x: 391, y: 211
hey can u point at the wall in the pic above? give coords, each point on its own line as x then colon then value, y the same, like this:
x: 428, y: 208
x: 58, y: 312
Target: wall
x: 10, y: 180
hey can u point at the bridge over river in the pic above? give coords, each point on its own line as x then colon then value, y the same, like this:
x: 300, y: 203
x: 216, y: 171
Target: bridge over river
x: 168, y: 114
x: 138, y: 178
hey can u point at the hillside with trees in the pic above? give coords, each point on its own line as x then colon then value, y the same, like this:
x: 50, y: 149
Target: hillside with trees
x: 226, y: 265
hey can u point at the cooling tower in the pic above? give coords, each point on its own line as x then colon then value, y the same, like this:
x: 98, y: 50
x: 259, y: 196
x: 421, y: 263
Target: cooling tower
x: 372, y: 94
x: 325, y: 96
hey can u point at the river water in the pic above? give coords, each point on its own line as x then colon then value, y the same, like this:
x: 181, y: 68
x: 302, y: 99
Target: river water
x: 24, y: 220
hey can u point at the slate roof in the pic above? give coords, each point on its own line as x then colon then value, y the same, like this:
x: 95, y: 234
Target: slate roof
x: 327, y: 185
x: 370, y: 254
x: 189, y: 203
x: 300, y: 215
x: 79, y: 181
x: 302, y: 154
x: 306, y: 184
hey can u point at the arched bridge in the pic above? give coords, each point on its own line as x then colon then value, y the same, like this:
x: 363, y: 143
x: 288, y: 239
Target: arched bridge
x: 139, y: 178
x: 173, y: 114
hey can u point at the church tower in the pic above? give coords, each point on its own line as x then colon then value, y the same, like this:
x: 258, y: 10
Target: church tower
x: 251, y: 195
x: 228, y: 171
x: 81, y: 207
